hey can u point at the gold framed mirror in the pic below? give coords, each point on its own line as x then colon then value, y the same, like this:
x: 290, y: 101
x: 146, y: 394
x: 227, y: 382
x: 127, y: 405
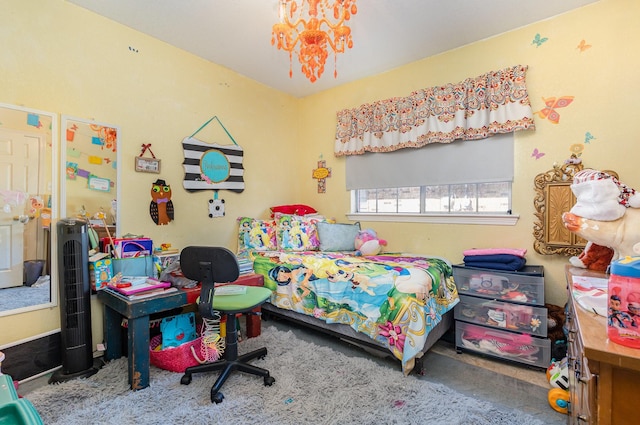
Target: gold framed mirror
x: 554, y: 197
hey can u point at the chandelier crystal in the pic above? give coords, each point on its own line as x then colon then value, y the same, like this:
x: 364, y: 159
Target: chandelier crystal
x: 314, y: 25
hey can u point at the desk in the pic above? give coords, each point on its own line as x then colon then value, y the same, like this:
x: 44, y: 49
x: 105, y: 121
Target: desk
x: 604, y: 377
x: 137, y: 313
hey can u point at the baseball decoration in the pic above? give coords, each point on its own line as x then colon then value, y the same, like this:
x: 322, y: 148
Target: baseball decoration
x: 216, y: 206
x: 161, y: 208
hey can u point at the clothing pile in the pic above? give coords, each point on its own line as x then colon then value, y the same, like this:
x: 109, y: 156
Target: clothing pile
x: 508, y: 259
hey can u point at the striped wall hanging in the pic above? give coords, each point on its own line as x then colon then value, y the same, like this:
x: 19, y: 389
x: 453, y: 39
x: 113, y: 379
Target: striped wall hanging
x: 210, y: 166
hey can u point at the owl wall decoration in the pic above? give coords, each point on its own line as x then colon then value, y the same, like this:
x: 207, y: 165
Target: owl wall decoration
x: 161, y: 208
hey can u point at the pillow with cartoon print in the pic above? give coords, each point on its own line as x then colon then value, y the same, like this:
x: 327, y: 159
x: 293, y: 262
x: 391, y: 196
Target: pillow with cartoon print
x: 297, y: 233
x: 256, y: 235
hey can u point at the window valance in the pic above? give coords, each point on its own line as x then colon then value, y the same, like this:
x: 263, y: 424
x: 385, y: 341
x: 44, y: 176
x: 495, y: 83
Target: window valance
x: 476, y: 108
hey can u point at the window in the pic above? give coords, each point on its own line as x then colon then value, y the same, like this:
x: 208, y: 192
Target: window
x: 460, y: 179
x: 474, y: 198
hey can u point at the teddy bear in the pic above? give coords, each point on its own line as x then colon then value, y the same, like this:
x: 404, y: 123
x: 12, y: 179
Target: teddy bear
x: 368, y: 243
x: 593, y: 257
x: 555, y: 330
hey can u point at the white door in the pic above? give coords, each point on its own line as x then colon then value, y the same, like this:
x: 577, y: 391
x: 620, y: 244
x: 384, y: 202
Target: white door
x: 20, y: 170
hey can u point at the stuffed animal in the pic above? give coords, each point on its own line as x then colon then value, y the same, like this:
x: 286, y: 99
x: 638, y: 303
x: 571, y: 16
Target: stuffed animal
x: 555, y: 330
x: 367, y: 242
x: 594, y: 257
x: 606, y: 212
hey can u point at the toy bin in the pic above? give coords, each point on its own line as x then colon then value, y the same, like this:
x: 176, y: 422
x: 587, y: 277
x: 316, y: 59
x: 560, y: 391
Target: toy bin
x: 623, y: 321
x: 502, y: 315
x: 525, y: 286
x: 522, y: 348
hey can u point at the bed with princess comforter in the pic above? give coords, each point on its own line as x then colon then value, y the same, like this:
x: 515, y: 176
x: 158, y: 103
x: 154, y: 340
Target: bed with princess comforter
x: 400, y: 303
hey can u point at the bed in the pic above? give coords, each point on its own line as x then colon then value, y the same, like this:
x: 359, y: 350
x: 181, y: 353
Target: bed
x: 401, y: 304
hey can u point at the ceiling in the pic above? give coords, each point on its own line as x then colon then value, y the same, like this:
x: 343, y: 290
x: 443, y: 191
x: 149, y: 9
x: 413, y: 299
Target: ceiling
x: 386, y: 33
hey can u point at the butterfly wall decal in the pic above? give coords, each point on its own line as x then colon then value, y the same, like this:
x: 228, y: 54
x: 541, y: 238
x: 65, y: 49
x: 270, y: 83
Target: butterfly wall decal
x: 537, y: 154
x: 588, y: 137
x: 538, y: 40
x: 583, y: 46
x: 551, y: 104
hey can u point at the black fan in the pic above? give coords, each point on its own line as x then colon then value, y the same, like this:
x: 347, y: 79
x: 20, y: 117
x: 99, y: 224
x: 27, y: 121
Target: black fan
x: 75, y: 300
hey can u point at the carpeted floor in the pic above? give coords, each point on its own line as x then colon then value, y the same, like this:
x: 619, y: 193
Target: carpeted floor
x: 26, y: 296
x: 315, y: 384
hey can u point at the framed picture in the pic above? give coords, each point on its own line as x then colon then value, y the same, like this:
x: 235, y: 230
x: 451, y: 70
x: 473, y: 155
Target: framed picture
x: 147, y: 165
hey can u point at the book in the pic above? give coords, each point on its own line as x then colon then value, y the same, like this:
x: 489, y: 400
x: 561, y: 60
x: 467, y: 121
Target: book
x: 138, y: 285
x: 230, y: 290
x: 152, y: 293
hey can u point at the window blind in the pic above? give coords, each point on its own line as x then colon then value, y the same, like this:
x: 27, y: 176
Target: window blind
x: 463, y: 161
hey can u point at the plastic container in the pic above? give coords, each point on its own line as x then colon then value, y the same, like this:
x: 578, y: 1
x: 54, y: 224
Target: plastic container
x: 623, y: 321
x: 524, y: 287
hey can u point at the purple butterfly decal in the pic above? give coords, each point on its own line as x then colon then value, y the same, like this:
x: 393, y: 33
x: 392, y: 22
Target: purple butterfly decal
x: 537, y: 154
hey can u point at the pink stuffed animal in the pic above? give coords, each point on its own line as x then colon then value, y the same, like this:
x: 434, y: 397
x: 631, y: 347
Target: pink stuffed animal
x: 367, y: 242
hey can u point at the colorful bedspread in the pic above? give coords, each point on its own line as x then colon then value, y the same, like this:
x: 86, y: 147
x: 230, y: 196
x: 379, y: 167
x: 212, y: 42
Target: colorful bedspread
x: 394, y: 299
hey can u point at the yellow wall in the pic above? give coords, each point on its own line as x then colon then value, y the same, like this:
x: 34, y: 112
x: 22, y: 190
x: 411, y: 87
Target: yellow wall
x: 603, y: 79
x: 67, y: 60
x: 61, y: 58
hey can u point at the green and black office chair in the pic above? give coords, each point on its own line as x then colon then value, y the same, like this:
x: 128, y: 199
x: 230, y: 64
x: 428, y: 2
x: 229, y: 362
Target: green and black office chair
x: 210, y: 265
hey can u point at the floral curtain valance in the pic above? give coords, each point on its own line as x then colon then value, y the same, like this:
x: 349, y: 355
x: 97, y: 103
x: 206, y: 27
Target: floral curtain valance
x: 496, y: 102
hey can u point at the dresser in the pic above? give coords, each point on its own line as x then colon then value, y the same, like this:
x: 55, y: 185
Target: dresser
x: 604, y: 377
x: 502, y: 314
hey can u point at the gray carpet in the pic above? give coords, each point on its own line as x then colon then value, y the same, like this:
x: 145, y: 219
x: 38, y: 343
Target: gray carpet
x: 314, y: 385
x: 26, y: 296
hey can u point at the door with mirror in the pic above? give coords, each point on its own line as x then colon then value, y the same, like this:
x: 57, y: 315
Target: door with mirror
x: 28, y: 203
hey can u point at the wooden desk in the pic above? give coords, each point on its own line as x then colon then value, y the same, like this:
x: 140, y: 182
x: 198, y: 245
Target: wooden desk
x: 604, y: 377
x: 137, y: 313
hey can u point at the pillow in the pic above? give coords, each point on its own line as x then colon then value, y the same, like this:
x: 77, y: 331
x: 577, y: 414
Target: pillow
x: 337, y: 236
x: 297, y: 233
x: 257, y: 235
x: 295, y: 209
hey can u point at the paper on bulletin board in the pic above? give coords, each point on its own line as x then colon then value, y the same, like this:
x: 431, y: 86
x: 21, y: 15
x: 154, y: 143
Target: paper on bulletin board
x: 100, y: 184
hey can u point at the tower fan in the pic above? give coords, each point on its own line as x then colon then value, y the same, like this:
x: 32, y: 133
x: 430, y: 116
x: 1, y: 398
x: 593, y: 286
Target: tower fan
x: 75, y: 300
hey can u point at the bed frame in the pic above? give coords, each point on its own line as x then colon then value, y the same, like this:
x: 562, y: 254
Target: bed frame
x: 347, y: 333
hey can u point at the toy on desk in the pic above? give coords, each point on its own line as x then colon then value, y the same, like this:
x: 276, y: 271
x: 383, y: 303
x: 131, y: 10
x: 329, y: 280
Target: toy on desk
x: 593, y: 257
x: 606, y: 212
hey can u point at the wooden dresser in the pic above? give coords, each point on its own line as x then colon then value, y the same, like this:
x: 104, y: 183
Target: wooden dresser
x: 604, y: 377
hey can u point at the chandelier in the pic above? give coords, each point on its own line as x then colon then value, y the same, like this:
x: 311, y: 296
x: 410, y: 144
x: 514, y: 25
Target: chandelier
x: 314, y: 25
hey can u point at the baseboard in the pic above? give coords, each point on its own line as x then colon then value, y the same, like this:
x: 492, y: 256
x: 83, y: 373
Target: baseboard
x: 32, y: 357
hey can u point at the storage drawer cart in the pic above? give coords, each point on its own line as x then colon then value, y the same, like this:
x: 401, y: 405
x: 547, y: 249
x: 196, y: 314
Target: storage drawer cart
x: 502, y: 314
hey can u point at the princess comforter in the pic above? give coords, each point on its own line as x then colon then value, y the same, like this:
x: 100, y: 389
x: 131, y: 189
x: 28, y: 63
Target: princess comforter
x: 394, y: 299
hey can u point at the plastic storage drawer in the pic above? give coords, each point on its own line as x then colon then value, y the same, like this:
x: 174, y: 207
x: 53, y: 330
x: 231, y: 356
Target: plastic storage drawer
x: 505, y: 345
x: 502, y: 315
x: 515, y: 287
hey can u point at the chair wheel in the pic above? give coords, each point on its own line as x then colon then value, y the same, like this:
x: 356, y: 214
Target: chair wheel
x: 269, y: 380
x: 185, y: 380
x: 216, y: 397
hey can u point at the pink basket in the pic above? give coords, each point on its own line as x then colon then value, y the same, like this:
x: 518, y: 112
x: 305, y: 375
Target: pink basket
x: 175, y: 359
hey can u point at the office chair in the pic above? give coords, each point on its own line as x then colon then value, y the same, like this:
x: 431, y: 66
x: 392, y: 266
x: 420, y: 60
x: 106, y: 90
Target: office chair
x: 216, y: 264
